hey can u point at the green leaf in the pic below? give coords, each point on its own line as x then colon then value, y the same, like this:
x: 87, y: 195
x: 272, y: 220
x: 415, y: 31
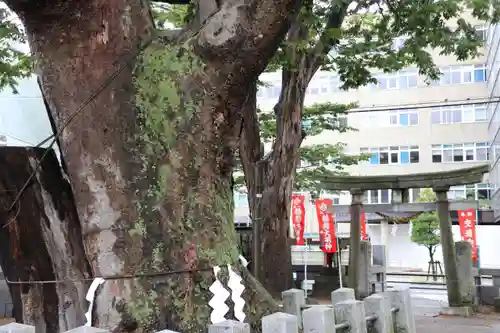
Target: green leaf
x: 14, y: 64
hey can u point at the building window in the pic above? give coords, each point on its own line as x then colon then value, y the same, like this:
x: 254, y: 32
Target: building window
x: 323, y: 85
x: 400, y: 80
x: 377, y: 197
x: 460, y: 152
x: 481, y: 31
x: 405, y: 117
x: 481, y: 191
x: 332, y: 196
x: 385, y: 196
x: 461, y: 74
x: 459, y: 114
x: 393, y: 155
x: 340, y: 121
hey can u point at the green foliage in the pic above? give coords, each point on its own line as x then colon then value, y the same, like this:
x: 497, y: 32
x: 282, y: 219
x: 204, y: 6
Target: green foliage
x: 362, y: 36
x: 425, y: 226
x: 176, y: 15
x: 320, y: 160
x: 14, y: 64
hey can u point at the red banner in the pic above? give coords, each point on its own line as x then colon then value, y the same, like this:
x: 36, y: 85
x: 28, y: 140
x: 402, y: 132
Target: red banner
x: 298, y: 218
x: 364, y: 235
x: 328, y: 240
x: 467, y: 222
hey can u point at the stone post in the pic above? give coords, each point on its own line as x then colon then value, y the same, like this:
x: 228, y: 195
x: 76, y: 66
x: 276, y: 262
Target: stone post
x: 17, y: 328
x: 365, y: 270
x: 465, y: 271
x: 448, y: 246
x: 293, y: 300
x: 280, y: 322
x: 353, y: 313
x: 404, y: 321
x: 379, y: 305
x: 355, y: 240
x: 319, y: 319
x: 342, y: 294
x: 227, y: 326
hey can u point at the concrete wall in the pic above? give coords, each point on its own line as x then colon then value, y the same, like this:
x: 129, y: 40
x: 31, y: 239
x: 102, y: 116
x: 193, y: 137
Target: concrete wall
x: 403, y: 253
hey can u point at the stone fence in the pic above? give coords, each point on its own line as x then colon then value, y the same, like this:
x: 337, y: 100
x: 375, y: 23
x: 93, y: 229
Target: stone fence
x: 387, y: 312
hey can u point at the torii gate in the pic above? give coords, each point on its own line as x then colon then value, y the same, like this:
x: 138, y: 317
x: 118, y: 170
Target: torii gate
x: 440, y: 182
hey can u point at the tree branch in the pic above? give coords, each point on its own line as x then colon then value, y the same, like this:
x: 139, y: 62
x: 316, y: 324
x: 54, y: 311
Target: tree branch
x: 327, y: 40
x: 249, y: 144
x: 245, y: 34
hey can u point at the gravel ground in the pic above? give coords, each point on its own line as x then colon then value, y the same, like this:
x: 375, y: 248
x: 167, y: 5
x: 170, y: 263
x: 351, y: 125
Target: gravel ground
x: 478, y: 324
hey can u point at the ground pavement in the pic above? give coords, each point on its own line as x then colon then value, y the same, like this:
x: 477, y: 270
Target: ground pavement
x: 427, y: 305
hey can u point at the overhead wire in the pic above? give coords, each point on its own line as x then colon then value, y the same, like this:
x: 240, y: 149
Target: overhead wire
x: 16, y: 138
x: 426, y: 105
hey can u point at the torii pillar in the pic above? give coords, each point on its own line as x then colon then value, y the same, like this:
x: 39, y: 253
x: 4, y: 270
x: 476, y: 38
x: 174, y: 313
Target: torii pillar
x: 448, y: 246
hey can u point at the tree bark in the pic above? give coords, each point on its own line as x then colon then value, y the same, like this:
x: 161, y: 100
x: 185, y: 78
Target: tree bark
x: 279, y: 166
x: 281, y: 163
x: 40, y: 240
x: 150, y: 158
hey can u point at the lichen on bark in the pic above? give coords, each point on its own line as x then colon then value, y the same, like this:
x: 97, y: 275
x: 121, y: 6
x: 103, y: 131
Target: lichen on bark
x: 177, y: 190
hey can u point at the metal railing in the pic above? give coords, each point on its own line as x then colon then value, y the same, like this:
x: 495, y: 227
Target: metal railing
x: 345, y: 325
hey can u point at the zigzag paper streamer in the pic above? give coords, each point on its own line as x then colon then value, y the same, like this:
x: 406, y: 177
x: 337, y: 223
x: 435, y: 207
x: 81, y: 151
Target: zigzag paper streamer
x: 394, y: 229
x: 237, y: 289
x: 90, y: 297
x: 243, y: 261
x: 218, y: 301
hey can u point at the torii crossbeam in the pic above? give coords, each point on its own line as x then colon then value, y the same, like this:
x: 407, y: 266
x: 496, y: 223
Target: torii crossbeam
x: 440, y: 182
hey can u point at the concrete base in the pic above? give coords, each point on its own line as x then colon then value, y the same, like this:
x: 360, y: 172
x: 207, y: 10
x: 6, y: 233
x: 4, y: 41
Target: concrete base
x: 496, y: 304
x: 460, y: 311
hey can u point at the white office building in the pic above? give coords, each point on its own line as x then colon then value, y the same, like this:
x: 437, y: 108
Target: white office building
x: 409, y: 126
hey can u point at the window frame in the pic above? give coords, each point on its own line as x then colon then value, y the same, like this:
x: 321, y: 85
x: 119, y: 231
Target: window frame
x: 448, y: 73
x: 463, y: 191
x: 398, y: 77
x: 448, y: 152
x: 390, y: 152
x: 446, y: 114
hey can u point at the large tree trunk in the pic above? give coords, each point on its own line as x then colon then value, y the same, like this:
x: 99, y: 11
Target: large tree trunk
x: 150, y: 158
x: 281, y: 164
x: 279, y: 169
x: 40, y: 240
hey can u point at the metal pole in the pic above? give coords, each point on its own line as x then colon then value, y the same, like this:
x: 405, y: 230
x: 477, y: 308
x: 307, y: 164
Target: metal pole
x: 257, y: 220
x: 339, y: 253
x: 355, y: 240
x: 305, y: 285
